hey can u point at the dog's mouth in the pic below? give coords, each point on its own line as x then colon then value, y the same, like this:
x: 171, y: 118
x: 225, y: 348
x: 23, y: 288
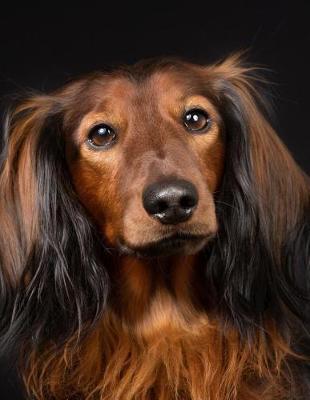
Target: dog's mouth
x: 178, y: 243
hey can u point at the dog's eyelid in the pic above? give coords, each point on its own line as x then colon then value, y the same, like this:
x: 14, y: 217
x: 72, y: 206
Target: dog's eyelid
x: 195, y: 106
x: 102, y: 122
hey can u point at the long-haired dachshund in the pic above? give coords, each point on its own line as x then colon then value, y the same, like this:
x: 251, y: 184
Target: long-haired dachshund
x: 154, y: 240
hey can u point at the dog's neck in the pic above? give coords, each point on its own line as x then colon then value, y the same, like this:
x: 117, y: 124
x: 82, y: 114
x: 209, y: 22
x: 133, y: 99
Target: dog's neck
x: 140, y: 283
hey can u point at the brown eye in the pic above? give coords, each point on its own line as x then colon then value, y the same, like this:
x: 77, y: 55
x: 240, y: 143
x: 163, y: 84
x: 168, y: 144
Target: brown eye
x: 196, y: 120
x: 102, y: 136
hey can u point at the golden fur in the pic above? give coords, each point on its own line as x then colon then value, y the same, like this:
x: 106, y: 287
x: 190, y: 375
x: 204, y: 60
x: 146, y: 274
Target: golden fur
x: 155, y: 340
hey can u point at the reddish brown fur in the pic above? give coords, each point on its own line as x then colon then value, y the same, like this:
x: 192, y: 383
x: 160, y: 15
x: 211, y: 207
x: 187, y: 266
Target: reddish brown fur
x: 155, y: 343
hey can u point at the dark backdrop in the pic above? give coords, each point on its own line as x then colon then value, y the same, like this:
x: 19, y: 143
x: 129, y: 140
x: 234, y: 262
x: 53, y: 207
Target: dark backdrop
x: 42, y: 46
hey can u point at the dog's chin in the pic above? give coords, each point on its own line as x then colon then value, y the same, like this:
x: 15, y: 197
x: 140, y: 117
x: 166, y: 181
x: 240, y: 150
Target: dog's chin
x: 177, y: 244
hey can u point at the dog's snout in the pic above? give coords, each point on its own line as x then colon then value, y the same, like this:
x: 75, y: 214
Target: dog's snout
x: 171, y: 202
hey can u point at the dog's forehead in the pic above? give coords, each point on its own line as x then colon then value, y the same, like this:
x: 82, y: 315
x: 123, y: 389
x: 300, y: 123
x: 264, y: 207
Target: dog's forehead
x: 170, y: 85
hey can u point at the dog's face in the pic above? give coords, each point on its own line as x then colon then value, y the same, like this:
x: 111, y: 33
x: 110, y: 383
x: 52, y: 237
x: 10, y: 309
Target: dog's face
x: 146, y: 160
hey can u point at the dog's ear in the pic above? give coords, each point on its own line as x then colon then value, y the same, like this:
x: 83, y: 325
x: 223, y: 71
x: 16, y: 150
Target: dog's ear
x: 263, y: 204
x: 51, y: 279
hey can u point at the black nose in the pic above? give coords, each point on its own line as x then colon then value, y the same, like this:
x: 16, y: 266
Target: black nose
x: 171, y: 202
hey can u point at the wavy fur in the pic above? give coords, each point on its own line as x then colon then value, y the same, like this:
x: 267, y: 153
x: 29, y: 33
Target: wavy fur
x: 80, y: 335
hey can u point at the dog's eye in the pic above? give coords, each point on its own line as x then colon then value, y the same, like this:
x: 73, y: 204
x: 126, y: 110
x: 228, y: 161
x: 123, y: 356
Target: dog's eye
x: 101, y: 136
x: 196, y: 120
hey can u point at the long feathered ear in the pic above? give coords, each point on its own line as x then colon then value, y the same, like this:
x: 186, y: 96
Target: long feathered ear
x: 263, y: 207
x: 51, y: 280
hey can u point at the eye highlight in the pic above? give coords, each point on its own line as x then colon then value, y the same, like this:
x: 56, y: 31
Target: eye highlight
x: 196, y: 120
x: 101, y: 136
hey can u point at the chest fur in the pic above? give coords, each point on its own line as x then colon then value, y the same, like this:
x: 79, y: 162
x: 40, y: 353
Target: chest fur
x: 175, y: 352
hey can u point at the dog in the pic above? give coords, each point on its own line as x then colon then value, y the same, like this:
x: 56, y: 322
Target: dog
x: 154, y: 239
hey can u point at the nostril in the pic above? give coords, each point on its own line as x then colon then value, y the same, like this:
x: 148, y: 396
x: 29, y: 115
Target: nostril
x: 187, y: 201
x: 162, y: 206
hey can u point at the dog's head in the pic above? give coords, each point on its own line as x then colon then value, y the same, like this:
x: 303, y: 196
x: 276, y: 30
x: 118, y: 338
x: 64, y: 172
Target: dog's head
x: 151, y: 160
x: 147, y: 157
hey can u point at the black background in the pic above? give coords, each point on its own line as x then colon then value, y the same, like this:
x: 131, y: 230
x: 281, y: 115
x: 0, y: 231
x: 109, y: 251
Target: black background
x: 43, y: 46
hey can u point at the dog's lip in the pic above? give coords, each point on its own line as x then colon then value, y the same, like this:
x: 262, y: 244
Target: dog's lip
x: 164, y: 246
